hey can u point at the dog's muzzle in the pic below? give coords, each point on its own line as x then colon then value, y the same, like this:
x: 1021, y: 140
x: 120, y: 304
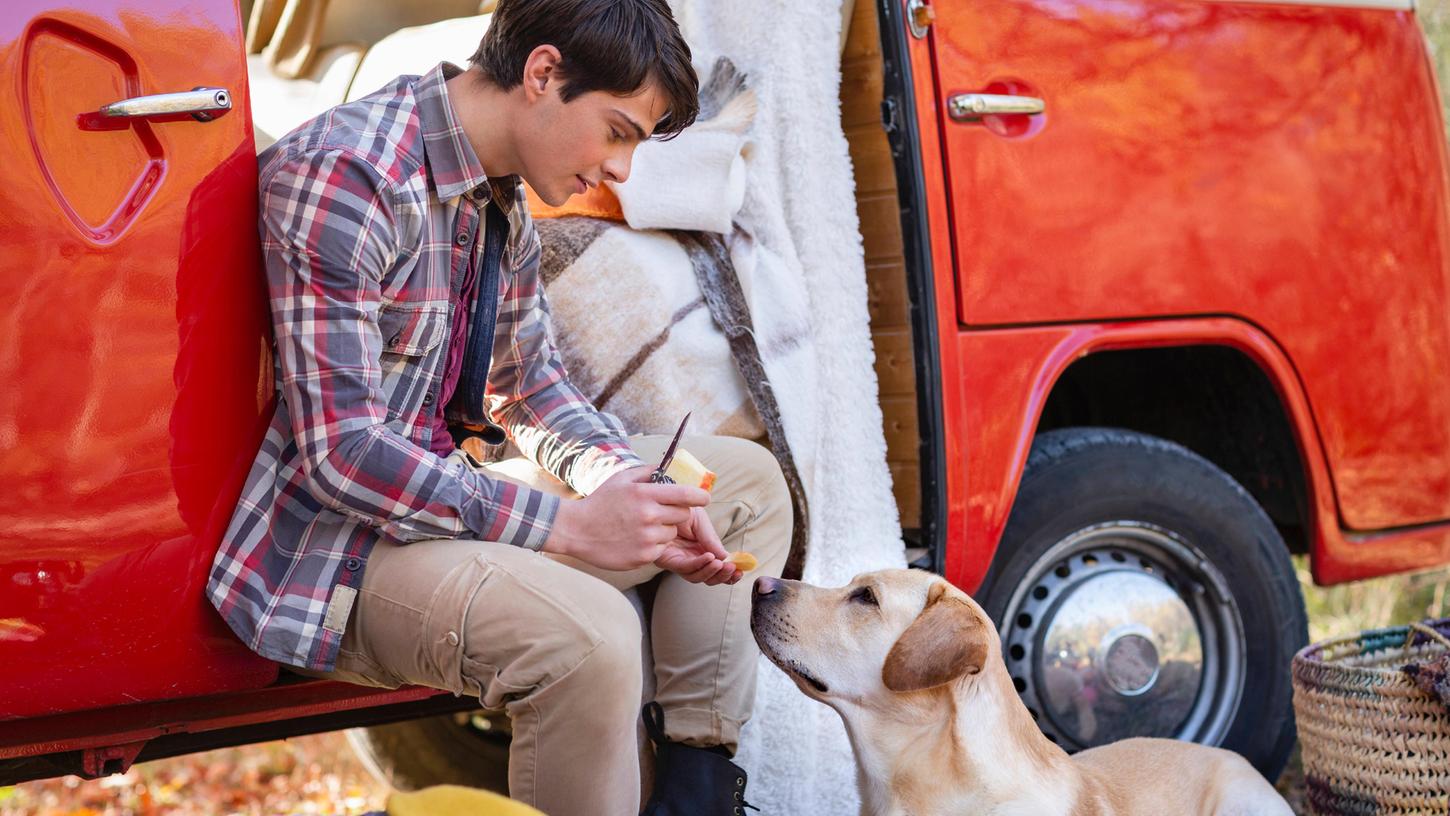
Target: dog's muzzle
x: 767, y: 599
x: 772, y: 627
x: 766, y: 616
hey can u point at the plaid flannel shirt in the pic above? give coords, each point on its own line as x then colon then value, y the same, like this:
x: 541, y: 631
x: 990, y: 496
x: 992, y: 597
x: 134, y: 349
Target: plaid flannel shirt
x: 368, y: 215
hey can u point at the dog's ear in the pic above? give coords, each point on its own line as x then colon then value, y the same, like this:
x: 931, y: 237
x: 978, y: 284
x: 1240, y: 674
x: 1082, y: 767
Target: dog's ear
x: 946, y: 641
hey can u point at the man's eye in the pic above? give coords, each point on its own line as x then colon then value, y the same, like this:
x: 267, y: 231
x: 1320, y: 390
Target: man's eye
x: 614, y: 135
x: 864, y: 595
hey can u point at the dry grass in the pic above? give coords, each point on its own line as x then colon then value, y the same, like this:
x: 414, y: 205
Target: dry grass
x: 316, y: 775
x: 1378, y: 602
x: 1435, y: 20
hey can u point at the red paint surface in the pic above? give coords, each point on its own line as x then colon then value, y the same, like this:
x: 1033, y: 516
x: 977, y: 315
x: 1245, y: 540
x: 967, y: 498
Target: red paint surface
x: 1281, y: 164
x: 134, y: 363
x: 1180, y: 171
x: 1007, y: 399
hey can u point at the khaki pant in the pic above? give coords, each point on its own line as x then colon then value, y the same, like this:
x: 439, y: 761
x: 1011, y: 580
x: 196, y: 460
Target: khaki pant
x: 554, y: 642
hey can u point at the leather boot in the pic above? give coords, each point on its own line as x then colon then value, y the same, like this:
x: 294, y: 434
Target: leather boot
x: 691, y: 781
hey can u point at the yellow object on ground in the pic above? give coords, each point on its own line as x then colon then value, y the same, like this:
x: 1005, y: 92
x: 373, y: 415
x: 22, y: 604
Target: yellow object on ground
x: 455, y: 800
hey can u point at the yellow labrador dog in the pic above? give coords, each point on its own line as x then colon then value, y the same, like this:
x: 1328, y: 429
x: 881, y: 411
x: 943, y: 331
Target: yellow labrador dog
x: 914, y: 667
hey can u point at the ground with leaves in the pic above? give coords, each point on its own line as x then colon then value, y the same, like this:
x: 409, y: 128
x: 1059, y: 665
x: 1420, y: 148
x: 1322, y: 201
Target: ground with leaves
x: 307, y: 775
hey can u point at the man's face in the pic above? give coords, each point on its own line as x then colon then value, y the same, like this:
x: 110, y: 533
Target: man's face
x: 576, y: 145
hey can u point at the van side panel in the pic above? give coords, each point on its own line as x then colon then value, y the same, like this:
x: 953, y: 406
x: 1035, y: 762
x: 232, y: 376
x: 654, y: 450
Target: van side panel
x: 135, y: 367
x: 1283, y: 164
x: 1016, y: 370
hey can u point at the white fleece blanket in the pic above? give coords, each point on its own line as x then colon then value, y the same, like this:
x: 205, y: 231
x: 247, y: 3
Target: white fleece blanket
x: 800, y: 204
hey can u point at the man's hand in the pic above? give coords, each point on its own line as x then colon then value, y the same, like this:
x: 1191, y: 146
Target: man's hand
x: 697, y: 554
x: 629, y: 522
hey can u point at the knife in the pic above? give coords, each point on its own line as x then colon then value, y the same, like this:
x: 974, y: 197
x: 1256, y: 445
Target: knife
x: 659, y: 477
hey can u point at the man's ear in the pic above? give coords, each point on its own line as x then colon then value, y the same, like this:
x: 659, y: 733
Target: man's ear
x: 946, y: 641
x: 541, y: 68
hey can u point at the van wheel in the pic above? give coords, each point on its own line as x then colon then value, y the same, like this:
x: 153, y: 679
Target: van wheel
x: 1141, y: 592
x: 469, y: 748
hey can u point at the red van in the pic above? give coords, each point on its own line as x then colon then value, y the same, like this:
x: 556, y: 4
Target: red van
x: 1158, y: 291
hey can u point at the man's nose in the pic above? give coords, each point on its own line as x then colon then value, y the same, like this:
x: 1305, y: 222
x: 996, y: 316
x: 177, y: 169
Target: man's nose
x: 617, y: 170
x: 767, y: 586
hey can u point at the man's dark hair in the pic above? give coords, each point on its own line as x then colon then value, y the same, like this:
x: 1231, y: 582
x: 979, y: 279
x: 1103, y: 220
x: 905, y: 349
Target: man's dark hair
x: 606, y: 45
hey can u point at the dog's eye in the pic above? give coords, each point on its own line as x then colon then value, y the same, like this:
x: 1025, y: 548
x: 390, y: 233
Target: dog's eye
x: 864, y: 595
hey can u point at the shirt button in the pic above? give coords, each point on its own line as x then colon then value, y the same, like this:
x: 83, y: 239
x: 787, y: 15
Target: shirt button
x: 428, y: 398
x: 461, y: 238
x: 352, y: 564
x: 452, y: 638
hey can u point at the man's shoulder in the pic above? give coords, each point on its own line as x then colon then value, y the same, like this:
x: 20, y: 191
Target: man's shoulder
x: 380, y: 130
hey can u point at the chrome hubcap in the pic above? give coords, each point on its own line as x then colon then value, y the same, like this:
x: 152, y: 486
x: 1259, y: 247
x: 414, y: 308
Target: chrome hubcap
x: 1124, y: 630
x: 1130, y: 662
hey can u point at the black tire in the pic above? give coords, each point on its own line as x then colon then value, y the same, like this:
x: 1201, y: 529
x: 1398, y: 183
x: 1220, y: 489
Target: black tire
x: 450, y: 749
x: 1104, y: 514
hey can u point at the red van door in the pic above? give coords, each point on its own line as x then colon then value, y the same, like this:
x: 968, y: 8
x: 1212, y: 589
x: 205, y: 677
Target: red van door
x: 134, y: 368
x: 1280, y: 163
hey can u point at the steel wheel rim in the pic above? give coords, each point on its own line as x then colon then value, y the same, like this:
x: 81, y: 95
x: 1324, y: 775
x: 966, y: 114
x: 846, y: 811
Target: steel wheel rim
x: 1124, y: 689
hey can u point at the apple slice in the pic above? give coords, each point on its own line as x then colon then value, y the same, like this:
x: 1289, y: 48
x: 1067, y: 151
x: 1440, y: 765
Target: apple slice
x: 687, y: 470
x: 743, y: 561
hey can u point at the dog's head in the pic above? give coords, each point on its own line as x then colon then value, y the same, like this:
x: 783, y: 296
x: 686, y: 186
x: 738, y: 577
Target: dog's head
x: 884, y: 634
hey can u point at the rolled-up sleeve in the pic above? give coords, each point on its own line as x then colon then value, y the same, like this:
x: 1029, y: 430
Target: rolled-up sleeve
x: 529, y: 391
x: 329, y: 233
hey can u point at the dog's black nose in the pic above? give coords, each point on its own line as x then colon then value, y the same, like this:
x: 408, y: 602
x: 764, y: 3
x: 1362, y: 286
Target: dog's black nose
x: 766, y: 586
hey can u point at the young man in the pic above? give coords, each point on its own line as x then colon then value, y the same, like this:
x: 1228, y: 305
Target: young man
x: 403, y: 275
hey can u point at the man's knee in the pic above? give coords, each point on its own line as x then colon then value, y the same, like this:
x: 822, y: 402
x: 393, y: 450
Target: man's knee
x: 766, y: 496
x: 772, y: 493
x: 765, y: 482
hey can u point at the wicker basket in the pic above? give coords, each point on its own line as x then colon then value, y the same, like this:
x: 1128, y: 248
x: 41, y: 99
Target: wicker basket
x: 1373, y: 742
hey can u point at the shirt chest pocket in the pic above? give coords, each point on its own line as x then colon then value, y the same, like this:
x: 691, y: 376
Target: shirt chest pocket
x: 412, y: 330
x: 412, y: 338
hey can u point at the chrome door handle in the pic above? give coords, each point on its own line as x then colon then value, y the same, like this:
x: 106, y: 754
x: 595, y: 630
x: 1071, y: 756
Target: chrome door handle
x: 968, y: 107
x: 201, y: 104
